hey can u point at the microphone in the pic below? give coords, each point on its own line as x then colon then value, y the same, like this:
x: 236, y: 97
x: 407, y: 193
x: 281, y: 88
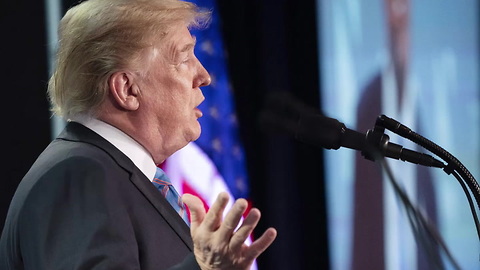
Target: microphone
x: 286, y: 114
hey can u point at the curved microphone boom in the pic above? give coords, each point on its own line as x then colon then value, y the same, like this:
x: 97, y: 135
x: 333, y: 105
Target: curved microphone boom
x: 286, y: 114
x: 330, y: 133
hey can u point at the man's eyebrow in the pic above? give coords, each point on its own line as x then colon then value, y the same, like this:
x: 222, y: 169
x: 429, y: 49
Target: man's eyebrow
x: 189, y: 46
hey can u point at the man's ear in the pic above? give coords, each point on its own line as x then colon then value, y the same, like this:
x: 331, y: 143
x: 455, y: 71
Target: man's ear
x: 124, y: 91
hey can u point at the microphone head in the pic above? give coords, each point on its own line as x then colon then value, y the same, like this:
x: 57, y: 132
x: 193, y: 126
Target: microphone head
x: 274, y: 123
x: 285, y: 104
x: 281, y: 113
x: 285, y: 113
x: 320, y: 131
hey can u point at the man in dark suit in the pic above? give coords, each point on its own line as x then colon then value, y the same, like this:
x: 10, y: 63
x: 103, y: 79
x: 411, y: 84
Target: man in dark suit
x: 128, y: 83
x: 390, y: 92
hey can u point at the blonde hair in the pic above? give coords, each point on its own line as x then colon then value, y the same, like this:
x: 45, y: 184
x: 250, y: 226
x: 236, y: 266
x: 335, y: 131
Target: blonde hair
x: 100, y: 37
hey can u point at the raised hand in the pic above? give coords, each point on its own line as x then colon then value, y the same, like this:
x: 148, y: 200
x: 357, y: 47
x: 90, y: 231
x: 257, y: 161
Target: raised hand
x: 217, y: 243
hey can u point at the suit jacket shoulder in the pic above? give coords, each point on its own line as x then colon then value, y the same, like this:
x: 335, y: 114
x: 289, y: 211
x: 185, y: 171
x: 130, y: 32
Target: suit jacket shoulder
x: 84, y: 205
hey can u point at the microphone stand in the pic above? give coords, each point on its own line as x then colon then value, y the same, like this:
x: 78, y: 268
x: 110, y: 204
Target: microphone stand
x: 425, y: 233
x: 454, y: 166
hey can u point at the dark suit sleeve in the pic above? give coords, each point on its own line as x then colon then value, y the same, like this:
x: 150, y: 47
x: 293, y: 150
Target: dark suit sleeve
x: 75, y: 217
x: 189, y: 263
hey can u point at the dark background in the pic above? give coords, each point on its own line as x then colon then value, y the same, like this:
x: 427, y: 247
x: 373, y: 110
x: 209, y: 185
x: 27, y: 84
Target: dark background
x: 272, y: 46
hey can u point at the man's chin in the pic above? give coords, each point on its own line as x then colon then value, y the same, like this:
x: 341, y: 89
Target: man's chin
x: 194, y: 135
x: 197, y: 132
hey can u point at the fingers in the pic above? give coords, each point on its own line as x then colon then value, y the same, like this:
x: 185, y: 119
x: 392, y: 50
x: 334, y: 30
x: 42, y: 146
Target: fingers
x: 197, y: 210
x: 232, y: 219
x: 262, y: 243
x: 219, y: 243
x: 249, y: 223
x: 214, y: 217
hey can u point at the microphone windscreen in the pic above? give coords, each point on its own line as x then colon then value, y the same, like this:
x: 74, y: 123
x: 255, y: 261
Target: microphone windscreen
x: 287, y: 105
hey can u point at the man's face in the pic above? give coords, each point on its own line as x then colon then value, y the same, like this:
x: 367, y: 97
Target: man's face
x: 398, y: 16
x: 171, y: 89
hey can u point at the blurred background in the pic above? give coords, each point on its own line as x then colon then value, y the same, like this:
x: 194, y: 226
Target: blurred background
x: 417, y: 62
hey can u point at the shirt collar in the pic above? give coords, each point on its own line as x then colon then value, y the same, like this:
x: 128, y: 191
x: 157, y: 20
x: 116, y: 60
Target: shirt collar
x: 126, y: 144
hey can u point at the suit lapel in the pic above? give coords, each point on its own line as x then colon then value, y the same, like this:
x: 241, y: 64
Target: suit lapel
x: 77, y: 132
x: 163, y: 207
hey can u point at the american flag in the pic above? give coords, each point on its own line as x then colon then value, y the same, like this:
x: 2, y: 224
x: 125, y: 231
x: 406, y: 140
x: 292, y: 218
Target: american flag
x: 216, y: 161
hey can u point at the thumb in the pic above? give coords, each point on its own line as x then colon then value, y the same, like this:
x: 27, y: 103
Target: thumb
x: 197, y: 210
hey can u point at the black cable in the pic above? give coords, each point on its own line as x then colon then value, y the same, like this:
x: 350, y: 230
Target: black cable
x: 424, y: 231
x: 470, y: 202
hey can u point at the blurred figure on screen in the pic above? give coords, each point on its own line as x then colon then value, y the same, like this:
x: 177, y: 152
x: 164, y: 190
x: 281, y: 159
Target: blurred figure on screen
x: 392, y: 91
x: 128, y: 84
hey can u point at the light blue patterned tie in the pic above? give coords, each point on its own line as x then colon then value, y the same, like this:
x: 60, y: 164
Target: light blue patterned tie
x: 164, y: 185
